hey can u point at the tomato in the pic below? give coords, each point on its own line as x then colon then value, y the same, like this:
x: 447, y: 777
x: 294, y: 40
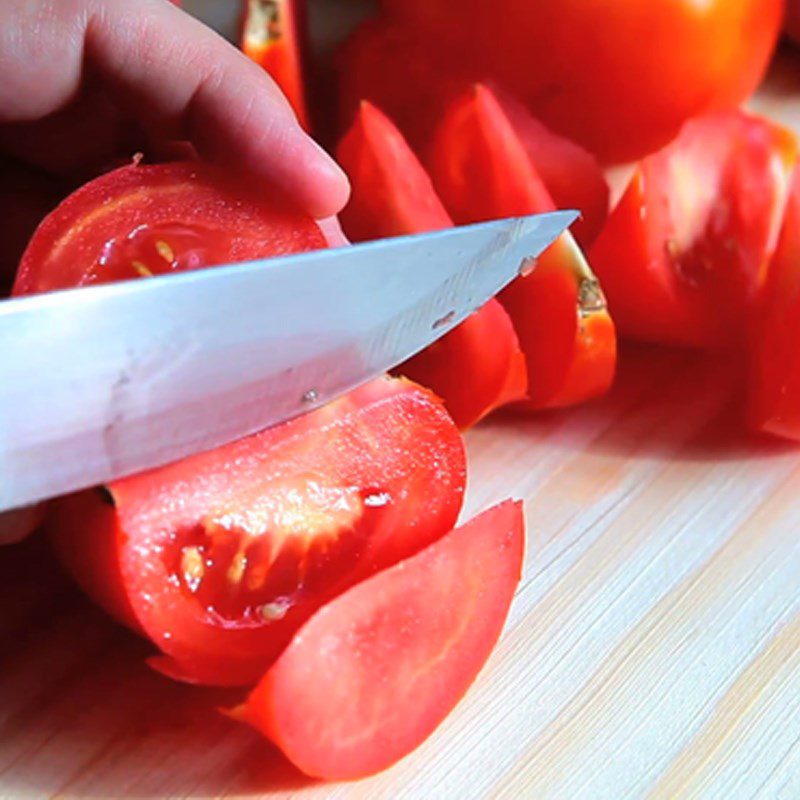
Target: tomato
x: 684, y: 255
x: 571, y: 174
x: 620, y: 80
x: 271, y: 36
x: 792, y: 21
x: 774, y: 380
x: 478, y: 366
x: 144, y: 220
x: 391, y: 194
x: 219, y: 558
x: 481, y: 169
x: 371, y: 675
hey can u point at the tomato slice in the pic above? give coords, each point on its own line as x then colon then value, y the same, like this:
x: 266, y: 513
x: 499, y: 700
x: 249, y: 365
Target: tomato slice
x: 146, y: 220
x: 774, y: 381
x: 482, y: 171
x: 371, y: 675
x: 219, y: 558
x: 272, y: 37
x: 478, y: 366
x: 684, y: 255
x: 571, y: 175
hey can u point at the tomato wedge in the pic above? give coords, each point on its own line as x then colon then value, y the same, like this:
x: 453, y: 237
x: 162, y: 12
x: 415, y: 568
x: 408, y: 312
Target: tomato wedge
x: 684, y: 254
x: 774, y: 380
x: 145, y: 220
x: 219, y: 558
x: 571, y: 175
x: 371, y: 675
x: 482, y: 171
x: 478, y: 366
x: 272, y: 37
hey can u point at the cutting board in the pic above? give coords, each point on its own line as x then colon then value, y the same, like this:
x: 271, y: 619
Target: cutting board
x: 652, y: 650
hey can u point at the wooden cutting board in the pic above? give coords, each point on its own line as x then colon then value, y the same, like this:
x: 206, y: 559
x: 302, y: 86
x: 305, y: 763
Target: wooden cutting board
x: 653, y: 648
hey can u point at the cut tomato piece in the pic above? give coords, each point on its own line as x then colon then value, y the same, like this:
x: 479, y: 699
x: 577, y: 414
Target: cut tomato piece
x: 482, y: 171
x: 478, y: 366
x: 272, y: 37
x: 219, y: 558
x: 684, y: 255
x: 145, y: 220
x: 774, y: 381
x: 372, y: 674
x: 391, y: 193
x: 572, y: 175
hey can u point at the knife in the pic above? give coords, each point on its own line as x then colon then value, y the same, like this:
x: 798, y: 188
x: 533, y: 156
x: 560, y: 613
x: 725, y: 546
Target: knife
x: 110, y: 380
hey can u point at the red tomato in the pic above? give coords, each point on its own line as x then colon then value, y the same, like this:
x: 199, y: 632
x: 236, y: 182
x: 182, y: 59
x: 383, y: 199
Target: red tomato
x: 774, y: 383
x: 219, y: 558
x: 481, y: 169
x: 618, y: 79
x: 478, y: 366
x: 144, y: 220
x: 271, y: 36
x: 571, y: 174
x: 371, y: 675
x: 391, y: 194
x: 684, y: 255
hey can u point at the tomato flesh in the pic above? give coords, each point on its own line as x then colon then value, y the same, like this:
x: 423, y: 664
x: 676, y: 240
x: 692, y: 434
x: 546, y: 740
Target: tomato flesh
x: 478, y: 366
x: 371, y: 675
x: 142, y: 219
x: 482, y: 171
x: 219, y: 558
x: 774, y: 379
x: 684, y: 255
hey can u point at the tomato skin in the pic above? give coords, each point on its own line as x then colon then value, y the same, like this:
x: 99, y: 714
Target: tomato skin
x: 373, y: 673
x: 684, y: 255
x: 271, y: 36
x: 620, y: 81
x: 391, y: 193
x: 477, y: 367
x: 68, y: 246
x: 773, y: 394
x: 481, y: 169
x: 571, y: 175
x: 389, y: 466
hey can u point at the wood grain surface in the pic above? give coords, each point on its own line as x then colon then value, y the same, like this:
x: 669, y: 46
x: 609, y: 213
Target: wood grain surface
x: 652, y: 651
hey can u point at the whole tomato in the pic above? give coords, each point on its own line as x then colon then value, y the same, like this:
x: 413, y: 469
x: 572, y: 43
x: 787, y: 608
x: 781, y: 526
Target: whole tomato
x: 619, y: 77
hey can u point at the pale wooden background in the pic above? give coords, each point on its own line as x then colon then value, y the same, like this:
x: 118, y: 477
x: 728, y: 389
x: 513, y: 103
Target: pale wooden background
x: 652, y: 651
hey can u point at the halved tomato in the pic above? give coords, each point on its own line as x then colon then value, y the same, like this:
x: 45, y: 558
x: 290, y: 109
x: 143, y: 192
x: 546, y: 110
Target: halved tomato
x: 372, y: 674
x: 482, y: 171
x: 774, y: 379
x: 143, y: 220
x: 272, y: 37
x: 684, y: 255
x: 478, y: 366
x: 219, y: 558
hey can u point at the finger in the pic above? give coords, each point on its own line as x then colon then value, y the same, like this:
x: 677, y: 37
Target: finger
x: 178, y: 78
x: 185, y: 77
